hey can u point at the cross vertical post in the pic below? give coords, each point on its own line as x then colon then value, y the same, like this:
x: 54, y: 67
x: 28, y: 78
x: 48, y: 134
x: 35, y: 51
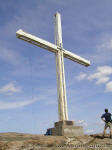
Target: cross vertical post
x: 64, y: 126
x: 60, y: 53
x: 61, y: 85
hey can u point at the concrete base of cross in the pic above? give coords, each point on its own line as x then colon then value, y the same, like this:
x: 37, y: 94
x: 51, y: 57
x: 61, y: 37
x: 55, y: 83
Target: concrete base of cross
x: 66, y: 128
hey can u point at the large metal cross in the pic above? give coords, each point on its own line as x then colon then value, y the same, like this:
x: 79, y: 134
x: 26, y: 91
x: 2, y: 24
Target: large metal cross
x: 60, y: 53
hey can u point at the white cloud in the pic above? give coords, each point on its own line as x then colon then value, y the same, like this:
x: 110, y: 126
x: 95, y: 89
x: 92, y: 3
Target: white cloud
x: 105, y: 70
x: 81, y: 76
x: 82, y: 123
x: 102, y: 75
x: 109, y: 87
x: 13, y: 105
x: 96, y: 75
x: 99, y: 77
x: 102, y: 80
x: 103, y: 53
x: 10, y: 89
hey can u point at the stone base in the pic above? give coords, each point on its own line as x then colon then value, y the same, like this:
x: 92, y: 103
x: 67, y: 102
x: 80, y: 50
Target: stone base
x: 66, y: 128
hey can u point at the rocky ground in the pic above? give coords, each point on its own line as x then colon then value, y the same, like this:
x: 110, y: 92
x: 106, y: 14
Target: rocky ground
x: 20, y: 141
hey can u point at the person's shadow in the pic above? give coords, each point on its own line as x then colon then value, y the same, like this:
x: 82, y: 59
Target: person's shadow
x: 99, y: 136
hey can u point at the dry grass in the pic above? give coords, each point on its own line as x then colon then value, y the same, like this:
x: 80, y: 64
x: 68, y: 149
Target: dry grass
x: 20, y: 141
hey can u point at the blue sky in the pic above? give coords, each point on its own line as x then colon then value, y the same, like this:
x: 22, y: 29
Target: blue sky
x: 28, y: 90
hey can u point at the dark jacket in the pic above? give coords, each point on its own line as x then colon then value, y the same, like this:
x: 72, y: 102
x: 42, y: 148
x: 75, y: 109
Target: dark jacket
x: 107, y: 117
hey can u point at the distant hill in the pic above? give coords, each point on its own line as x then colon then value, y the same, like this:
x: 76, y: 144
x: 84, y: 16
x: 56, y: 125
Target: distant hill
x: 21, y: 141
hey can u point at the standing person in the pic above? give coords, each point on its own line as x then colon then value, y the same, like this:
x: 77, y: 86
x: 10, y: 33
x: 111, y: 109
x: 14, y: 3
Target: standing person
x: 106, y: 117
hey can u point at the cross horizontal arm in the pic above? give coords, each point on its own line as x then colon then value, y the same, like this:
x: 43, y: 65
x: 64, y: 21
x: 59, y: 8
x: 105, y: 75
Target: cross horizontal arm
x: 76, y: 58
x: 51, y: 47
x: 36, y: 41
